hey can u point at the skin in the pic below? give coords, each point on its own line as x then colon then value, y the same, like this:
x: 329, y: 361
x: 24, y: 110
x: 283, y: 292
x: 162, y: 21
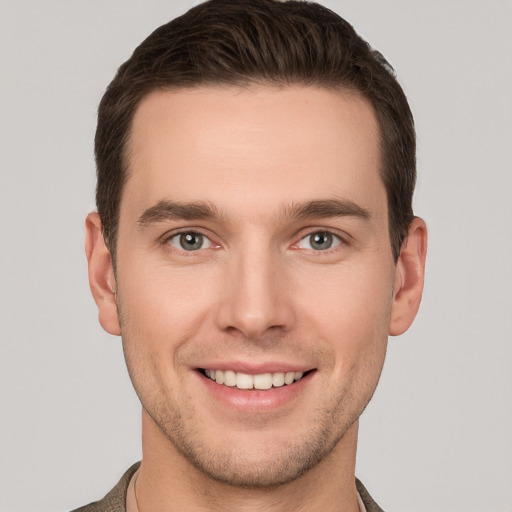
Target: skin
x: 257, y: 292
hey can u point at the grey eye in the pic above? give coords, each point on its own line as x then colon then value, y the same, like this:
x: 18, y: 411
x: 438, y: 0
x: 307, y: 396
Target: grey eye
x: 320, y: 241
x: 189, y: 241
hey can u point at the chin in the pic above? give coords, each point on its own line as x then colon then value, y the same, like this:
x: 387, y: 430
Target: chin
x: 254, y: 463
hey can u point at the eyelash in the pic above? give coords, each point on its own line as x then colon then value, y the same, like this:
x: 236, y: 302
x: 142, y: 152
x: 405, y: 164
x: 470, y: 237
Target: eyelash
x: 337, y: 239
x: 166, y: 240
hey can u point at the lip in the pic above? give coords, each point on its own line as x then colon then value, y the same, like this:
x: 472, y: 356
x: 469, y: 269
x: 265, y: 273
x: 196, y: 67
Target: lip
x: 254, y: 400
x: 255, y: 368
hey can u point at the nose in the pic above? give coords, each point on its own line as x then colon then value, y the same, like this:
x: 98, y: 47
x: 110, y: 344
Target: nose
x: 256, y: 299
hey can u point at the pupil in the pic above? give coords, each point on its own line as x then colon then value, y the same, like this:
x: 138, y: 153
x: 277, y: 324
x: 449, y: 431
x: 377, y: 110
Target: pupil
x: 321, y: 241
x: 191, y: 241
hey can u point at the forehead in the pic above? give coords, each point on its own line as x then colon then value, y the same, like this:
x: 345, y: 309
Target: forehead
x: 229, y: 144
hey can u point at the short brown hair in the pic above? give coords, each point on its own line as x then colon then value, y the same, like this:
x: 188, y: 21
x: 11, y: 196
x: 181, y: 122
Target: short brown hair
x: 241, y: 42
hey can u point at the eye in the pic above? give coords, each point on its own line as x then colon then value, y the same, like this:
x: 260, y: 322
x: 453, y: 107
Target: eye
x: 190, y: 241
x: 319, y: 241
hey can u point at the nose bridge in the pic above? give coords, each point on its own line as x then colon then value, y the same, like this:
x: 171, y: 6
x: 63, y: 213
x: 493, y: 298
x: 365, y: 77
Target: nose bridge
x: 255, y: 298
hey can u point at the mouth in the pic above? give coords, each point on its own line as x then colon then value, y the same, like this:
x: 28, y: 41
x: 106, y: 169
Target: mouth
x: 262, y: 381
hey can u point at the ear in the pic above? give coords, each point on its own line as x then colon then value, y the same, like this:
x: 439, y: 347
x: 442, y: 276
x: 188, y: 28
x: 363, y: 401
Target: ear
x: 101, y: 275
x: 409, y: 276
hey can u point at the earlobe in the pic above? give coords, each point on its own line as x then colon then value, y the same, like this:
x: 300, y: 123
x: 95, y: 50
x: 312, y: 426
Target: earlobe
x: 410, y: 272
x: 101, y: 275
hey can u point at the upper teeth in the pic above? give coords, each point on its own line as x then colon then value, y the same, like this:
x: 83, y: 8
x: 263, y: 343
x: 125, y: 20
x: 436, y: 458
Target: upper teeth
x: 260, y: 381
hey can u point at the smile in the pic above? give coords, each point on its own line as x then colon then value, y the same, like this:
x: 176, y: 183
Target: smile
x: 260, y: 381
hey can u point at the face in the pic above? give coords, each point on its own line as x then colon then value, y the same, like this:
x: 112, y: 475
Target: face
x: 255, y: 281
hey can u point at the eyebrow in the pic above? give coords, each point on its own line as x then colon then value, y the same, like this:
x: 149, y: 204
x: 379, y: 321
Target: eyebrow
x: 327, y: 208
x: 172, y: 210
x: 200, y: 210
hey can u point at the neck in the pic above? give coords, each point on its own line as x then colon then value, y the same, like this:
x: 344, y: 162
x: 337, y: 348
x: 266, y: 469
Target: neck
x: 168, y: 482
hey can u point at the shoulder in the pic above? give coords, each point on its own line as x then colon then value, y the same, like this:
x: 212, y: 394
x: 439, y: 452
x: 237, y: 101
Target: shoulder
x: 115, y: 500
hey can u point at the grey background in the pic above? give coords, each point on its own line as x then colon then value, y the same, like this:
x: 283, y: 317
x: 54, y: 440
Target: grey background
x: 438, y: 435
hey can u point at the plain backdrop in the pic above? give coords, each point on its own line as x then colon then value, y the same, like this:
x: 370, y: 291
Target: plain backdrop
x: 438, y: 434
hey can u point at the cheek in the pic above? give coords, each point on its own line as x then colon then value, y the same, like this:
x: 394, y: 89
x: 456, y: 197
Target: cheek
x: 350, y: 315
x: 165, y: 302
x: 358, y: 297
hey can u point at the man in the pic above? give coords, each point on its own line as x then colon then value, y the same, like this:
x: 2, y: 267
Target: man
x: 254, y: 246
